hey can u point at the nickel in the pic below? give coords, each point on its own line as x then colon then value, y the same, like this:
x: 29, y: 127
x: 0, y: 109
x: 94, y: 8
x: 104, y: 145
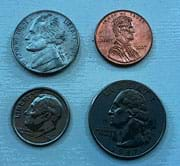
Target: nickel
x: 45, y: 42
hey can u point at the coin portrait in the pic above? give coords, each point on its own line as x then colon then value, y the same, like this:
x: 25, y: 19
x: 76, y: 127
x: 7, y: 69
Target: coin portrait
x: 123, y: 37
x: 45, y: 42
x: 40, y: 116
x: 127, y: 119
x: 44, y: 39
x: 130, y: 119
x: 124, y: 33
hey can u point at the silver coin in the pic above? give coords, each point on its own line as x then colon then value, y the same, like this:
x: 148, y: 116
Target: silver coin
x: 40, y: 116
x: 45, y: 42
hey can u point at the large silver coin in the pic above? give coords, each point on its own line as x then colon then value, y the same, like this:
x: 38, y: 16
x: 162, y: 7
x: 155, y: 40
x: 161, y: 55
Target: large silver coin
x: 45, y: 42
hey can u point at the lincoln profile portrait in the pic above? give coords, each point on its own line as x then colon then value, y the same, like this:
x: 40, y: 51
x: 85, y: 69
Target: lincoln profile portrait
x: 42, y: 115
x: 130, y: 119
x: 122, y: 50
x: 44, y: 40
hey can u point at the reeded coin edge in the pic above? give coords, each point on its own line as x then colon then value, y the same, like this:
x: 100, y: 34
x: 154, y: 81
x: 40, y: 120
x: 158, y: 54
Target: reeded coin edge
x: 106, y: 149
x: 56, y: 138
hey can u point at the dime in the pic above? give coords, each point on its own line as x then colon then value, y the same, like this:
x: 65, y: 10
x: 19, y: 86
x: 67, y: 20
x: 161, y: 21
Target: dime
x: 127, y: 119
x: 123, y: 37
x: 45, y: 42
x: 40, y: 116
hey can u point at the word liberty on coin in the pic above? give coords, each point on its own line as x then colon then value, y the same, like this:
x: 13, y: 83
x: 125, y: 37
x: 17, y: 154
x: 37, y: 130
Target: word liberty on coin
x: 123, y: 37
x: 40, y: 116
x: 45, y: 42
x: 127, y: 119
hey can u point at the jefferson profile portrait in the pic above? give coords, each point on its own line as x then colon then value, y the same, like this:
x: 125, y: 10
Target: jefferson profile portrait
x: 44, y: 40
x: 130, y: 119
x: 42, y: 115
x: 122, y: 50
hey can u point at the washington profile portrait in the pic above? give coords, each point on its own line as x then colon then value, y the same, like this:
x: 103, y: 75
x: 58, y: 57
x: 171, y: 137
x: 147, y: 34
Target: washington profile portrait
x: 130, y: 118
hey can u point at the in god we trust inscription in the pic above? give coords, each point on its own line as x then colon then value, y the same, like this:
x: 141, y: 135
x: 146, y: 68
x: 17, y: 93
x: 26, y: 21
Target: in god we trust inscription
x: 127, y: 119
x: 45, y: 42
x: 40, y: 116
x: 123, y: 37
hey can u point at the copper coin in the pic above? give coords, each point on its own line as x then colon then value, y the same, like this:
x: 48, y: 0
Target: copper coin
x: 123, y: 37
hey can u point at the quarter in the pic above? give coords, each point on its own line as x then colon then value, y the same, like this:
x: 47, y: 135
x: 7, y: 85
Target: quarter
x: 127, y: 119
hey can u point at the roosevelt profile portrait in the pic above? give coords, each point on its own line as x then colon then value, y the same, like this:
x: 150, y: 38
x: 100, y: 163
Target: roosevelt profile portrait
x: 42, y: 115
x: 44, y: 40
x: 130, y: 120
x: 122, y: 49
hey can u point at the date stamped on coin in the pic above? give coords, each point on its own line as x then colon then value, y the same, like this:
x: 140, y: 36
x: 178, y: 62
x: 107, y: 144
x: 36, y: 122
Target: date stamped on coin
x: 123, y: 37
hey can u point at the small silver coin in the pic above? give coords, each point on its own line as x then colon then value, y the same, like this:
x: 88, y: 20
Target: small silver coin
x: 40, y: 116
x: 45, y: 42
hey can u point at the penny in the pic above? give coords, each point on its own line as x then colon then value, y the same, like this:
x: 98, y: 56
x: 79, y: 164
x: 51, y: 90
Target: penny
x: 127, y: 119
x: 123, y: 37
x: 45, y: 42
x: 40, y: 116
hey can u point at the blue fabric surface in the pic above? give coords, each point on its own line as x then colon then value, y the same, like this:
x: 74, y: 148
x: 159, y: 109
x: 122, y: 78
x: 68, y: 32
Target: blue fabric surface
x: 80, y: 82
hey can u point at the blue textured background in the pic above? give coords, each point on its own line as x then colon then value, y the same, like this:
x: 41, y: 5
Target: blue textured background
x: 86, y: 76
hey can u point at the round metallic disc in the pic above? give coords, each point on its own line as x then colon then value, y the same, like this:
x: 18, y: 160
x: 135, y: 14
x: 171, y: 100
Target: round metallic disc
x: 123, y: 37
x: 127, y: 119
x: 40, y: 116
x: 45, y: 42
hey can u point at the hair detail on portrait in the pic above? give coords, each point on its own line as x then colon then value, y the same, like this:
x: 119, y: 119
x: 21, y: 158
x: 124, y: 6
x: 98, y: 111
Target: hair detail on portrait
x: 121, y: 22
x: 42, y: 115
x: 45, y: 39
x: 50, y: 104
x: 49, y: 26
x: 123, y: 30
x: 130, y: 119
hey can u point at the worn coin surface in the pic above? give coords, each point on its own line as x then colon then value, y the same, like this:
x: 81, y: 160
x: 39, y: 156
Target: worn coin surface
x: 123, y: 37
x: 45, y: 42
x: 127, y: 119
x: 40, y: 116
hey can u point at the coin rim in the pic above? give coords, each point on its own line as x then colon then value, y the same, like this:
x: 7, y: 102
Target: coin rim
x: 58, y: 69
x: 120, y: 63
x: 124, y: 157
x: 59, y: 135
